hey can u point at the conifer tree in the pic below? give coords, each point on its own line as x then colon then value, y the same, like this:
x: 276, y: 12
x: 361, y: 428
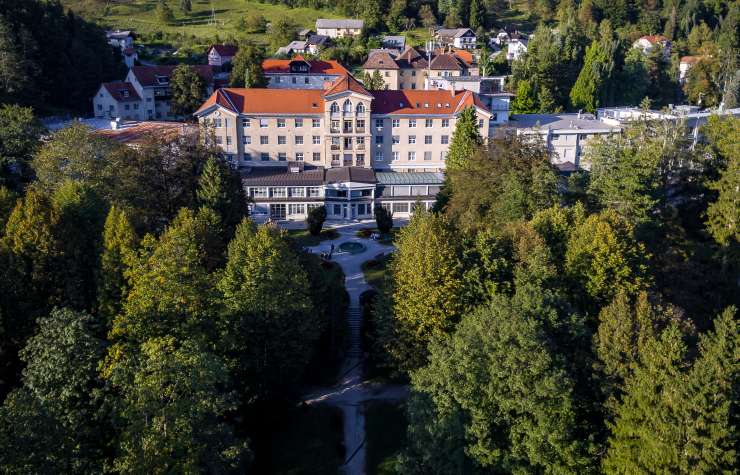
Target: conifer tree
x: 119, y: 246
x: 465, y: 139
x: 247, y: 66
x: 524, y: 102
x: 723, y: 215
x: 477, y: 15
x: 188, y: 90
x: 220, y: 189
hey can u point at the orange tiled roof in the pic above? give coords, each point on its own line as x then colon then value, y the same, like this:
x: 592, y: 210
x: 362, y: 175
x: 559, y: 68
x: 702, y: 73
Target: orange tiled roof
x: 329, y: 67
x: 346, y: 83
x: 691, y: 59
x: 423, y: 102
x: 653, y: 39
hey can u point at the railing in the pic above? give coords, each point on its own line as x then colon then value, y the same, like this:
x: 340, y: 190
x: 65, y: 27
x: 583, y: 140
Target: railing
x: 360, y: 130
x: 335, y: 163
x: 360, y: 146
x: 334, y: 130
x: 348, y: 130
x: 335, y: 147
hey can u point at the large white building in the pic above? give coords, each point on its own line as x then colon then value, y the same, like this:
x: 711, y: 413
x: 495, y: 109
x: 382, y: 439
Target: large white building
x: 339, y: 28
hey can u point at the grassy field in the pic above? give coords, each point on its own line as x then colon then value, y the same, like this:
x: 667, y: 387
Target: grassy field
x: 386, y: 436
x: 139, y: 15
x: 375, y: 270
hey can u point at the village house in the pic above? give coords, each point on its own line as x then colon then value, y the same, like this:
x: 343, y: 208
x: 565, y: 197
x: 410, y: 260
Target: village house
x: 462, y: 38
x: 396, y: 43
x: 221, y: 55
x: 144, y: 94
x: 124, y: 41
x: 300, y: 73
x: 686, y: 63
x: 516, y: 46
x: 647, y: 43
x: 339, y: 28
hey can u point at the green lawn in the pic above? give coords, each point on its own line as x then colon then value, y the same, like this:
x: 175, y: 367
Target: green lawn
x: 303, y: 238
x: 139, y: 15
x: 375, y: 270
x: 386, y: 239
x: 385, y: 426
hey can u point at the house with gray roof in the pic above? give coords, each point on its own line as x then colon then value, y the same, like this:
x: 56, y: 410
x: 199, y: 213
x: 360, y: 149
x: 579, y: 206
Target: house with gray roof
x: 462, y: 38
x: 339, y: 28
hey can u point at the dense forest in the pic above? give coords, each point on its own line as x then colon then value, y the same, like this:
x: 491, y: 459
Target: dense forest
x: 51, y: 59
x: 144, y: 317
x: 578, y: 326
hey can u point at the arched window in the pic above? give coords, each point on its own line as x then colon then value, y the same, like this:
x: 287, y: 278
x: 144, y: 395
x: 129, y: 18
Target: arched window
x: 360, y: 108
x: 347, y: 107
x: 334, y: 108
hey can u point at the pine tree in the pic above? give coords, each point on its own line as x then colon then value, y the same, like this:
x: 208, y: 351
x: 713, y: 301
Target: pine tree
x: 477, y: 15
x: 220, y: 189
x: 465, y: 139
x: 524, y: 102
x: 119, y: 244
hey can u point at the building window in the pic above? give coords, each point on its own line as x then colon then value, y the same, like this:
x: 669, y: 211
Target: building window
x: 299, y: 139
x: 400, y: 207
x: 246, y: 123
x: 219, y: 139
x: 299, y: 123
x: 396, y: 139
x: 379, y: 139
x: 480, y: 122
x: 555, y: 137
x: 412, y: 139
x: 445, y: 139
x: 360, y: 126
x: 293, y: 80
x: 258, y: 192
x: 412, y: 155
x: 334, y: 109
x: 427, y: 155
x: 360, y: 159
x: 296, y: 208
x: 282, y: 156
x: 278, y: 192
x: 281, y: 123
x: 228, y: 140
x: 313, y: 191
x: 263, y: 123
x: 282, y: 140
x: 396, y: 156
x: 299, y: 156
x: 443, y: 155
x: 445, y: 123
x: 317, y: 156
x: 386, y: 74
x: 247, y: 157
x: 412, y: 123
x: 413, y: 74
x: 297, y: 192
x: 315, y: 123
x: 396, y: 123
x: 264, y: 140
x: 265, y: 157
x: 217, y: 123
x: 378, y: 156
x: 428, y: 123
x: 360, y: 108
x: 334, y: 126
x: 378, y: 124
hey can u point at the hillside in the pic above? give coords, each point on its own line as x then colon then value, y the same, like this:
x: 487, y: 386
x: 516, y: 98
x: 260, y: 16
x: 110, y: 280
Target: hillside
x: 140, y: 16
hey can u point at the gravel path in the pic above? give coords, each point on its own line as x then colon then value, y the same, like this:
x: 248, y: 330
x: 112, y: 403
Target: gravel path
x: 351, y: 391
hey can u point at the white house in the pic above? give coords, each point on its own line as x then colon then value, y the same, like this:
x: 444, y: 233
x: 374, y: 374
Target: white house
x: 120, y: 39
x: 687, y: 62
x: 648, y: 42
x: 462, y: 38
x: 339, y: 28
x: 220, y: 55
x: 516, y: 48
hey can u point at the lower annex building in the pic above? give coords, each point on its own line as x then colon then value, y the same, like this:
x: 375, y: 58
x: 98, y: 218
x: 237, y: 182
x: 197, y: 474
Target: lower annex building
x: 342, y: 146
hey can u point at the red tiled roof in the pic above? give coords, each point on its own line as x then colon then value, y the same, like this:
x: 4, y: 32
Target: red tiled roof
x: 225, y: 50
x: 346, y: 83
x: 691, y: 59
x: 268, y: 101
x: 116, y: 89
x: 653, y: 39
x: 147, y: 75
x: 423, y: 102
x: 281, y: 66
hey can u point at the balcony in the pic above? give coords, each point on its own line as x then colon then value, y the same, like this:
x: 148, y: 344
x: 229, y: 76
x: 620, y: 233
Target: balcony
x: 360, y: 146
x: 360, y: 130
x: 334, y: 130
x: 335, y: 147
x: 335, y: 163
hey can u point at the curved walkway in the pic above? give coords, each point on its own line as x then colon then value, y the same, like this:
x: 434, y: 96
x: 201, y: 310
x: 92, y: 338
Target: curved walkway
x: 351, y: 391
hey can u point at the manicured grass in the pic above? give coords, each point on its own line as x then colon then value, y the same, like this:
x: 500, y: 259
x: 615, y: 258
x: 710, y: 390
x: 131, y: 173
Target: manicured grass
x: 303, y: 238
x: 375, y: 270
x: 386, y: 239
x: 300, y: 441
x: 385, y: 426
x: 139, y: 15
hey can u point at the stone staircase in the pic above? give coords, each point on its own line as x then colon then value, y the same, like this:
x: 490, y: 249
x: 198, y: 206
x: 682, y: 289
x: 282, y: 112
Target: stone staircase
x: 354, y: 324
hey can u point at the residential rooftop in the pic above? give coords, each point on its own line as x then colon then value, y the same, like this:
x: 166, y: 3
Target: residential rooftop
x: 559, y: 122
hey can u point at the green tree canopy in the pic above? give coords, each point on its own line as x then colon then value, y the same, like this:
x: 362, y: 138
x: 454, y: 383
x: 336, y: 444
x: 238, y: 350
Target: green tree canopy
x: 188, y: 90
x: 247, y: 66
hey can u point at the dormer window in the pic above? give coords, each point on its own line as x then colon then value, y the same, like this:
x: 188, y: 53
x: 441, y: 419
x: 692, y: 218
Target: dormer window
x: 124, y: 93
x: 400, y: 104
x: 163, y: 80
x: 447, y: 104
x: 426, y: 105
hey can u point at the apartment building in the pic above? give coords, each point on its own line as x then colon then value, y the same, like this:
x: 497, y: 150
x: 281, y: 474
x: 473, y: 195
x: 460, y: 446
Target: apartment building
x: 566, y: 136
x: 300, y: 73
x: 144, y: 94
x: 413, y: 66
x: 341, y: 126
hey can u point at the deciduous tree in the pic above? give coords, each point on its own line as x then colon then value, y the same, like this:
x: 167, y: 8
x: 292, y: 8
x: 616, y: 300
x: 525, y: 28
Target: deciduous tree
x: 247, y: 66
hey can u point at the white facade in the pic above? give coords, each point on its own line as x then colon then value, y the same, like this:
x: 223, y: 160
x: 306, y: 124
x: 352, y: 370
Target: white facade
x: 339, y: 28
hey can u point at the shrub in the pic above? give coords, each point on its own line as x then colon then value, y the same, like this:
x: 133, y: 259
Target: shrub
x: 315, y: 220
x: 383, y: 219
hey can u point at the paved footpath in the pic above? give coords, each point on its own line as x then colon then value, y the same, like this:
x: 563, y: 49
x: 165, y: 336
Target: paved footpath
x: 352, y: 391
